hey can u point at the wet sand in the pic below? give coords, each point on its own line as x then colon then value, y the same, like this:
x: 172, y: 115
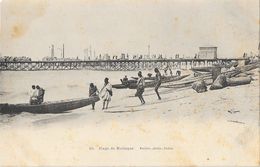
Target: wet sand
x: 187, y: 128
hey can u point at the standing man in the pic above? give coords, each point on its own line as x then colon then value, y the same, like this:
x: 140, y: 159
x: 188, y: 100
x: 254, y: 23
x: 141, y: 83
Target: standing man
x: 158, y: 79
x: 93, y: 91
x: 106, y: 93
x: 140, y: 87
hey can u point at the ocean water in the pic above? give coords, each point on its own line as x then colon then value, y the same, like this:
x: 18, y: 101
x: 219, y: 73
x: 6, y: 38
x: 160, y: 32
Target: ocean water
x: 62, y: 85
x: 59, y: 85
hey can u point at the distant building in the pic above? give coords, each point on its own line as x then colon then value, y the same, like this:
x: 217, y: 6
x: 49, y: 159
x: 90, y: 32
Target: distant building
x: 123, y: 56
x: 207, y: 52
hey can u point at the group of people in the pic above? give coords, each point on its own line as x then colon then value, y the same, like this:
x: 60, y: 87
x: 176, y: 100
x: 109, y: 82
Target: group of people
x: 105, y: 93
x: 36, y: 95
x: 178, y: 72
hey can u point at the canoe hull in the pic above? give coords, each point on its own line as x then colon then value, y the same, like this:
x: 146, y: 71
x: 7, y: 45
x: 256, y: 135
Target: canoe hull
x: 202, y: 69
x: 47, y: 107
x: 119, y: 86
x: 153, y: 83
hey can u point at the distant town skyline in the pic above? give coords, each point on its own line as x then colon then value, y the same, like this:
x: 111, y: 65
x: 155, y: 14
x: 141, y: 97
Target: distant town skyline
x: 169, y: 27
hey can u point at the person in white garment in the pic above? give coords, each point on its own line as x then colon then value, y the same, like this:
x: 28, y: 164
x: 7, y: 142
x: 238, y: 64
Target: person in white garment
x: 33, y: 95
x: 106, y: 93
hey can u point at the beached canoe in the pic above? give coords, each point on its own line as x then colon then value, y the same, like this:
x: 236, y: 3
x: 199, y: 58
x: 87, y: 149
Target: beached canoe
x: 124, y: 84
x: 154, y: 78
x: 202, y: 69
x: 47, y: 107
x: 153, y: 83
x: 119, y: 86
x: 207, y: 77
x: 145, y: 78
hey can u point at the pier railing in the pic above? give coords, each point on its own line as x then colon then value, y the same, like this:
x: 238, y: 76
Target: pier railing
x: 113, y: 65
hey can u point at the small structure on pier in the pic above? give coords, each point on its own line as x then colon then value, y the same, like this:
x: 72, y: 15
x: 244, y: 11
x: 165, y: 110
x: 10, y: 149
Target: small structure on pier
x: 207, y: 52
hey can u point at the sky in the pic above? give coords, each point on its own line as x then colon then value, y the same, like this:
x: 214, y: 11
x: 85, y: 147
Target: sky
x: 29, y: 27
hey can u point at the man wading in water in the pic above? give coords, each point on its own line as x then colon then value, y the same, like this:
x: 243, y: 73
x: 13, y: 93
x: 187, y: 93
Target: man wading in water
x: 158, y: 79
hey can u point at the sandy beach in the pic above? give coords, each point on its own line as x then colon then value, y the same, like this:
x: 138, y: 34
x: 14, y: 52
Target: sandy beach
x: 64, y: 46
x: 184, y: 128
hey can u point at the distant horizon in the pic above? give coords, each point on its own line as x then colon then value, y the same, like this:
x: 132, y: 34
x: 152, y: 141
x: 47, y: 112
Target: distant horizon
x: 170, y: 27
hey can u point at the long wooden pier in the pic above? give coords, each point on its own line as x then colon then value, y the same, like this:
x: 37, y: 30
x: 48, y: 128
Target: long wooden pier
x: 111, y: 65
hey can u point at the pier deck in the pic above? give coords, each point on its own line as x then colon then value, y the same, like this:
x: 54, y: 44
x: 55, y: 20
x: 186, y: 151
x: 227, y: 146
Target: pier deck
x: 111, y: 65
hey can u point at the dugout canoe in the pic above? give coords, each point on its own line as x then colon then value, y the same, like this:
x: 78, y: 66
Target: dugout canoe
x: 202, y: 69
x: 207, y: 77
x: 123, y: 84
x: 153, y: 83
x: 154, y: 78
x: 119, y: 86
x: 47, y: 107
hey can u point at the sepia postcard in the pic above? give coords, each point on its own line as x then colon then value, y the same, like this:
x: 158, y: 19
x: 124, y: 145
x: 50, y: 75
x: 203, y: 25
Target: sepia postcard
x: 129, y: 83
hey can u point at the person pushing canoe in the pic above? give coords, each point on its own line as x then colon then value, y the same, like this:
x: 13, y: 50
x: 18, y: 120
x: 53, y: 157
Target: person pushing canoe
x: 93, y: 91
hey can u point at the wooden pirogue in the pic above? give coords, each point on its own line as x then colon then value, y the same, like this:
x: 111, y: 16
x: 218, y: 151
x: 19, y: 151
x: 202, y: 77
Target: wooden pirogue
x: 47, y: 107
x: 132, y: 84
x: 154, y: 78
x: 124, y: 85
x: 207, y: 77
x: 153, y: 83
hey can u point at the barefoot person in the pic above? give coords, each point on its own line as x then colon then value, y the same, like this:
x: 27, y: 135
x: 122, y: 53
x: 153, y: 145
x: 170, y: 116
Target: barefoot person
x: 158, y: 79
x: 140, y: 87
x: 93, y: 91
x: 106, y: 93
